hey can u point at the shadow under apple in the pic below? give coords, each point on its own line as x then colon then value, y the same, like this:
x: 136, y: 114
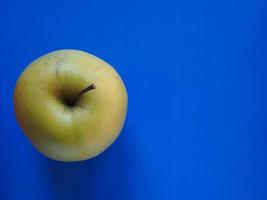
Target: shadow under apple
x: 107, y: 175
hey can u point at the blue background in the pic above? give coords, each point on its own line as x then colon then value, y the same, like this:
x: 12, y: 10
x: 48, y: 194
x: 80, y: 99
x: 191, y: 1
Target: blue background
x: 196, y: 77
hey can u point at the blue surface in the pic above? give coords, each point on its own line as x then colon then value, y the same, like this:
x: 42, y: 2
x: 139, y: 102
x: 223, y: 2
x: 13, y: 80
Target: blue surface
x: 196, y: 76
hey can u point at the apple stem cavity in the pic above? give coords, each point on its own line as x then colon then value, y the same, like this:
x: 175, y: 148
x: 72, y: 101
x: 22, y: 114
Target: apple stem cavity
x: 73, y: 99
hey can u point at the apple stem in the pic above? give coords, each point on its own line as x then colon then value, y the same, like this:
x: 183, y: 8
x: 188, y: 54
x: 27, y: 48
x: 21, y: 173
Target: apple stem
x: 76, y: 96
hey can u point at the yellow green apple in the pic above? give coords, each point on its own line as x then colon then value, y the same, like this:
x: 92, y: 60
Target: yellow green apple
x: 70, y: 104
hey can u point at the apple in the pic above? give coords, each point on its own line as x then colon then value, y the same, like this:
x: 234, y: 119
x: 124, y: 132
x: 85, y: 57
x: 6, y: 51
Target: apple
x: 70, y: 104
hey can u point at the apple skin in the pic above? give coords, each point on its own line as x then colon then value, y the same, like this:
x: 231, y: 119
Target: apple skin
x: 58, y: 130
